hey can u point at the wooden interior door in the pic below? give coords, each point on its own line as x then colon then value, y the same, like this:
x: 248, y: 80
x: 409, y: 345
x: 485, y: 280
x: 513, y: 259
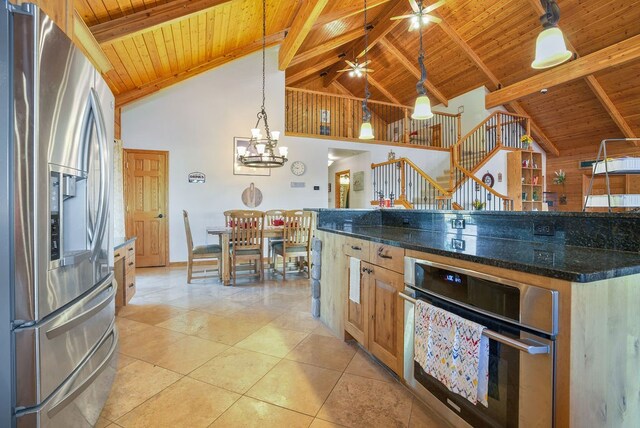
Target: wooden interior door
x: 385, y: 316
x: 146, y: 191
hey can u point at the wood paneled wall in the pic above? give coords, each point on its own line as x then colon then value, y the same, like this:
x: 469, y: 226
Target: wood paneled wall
x: 569, y: 161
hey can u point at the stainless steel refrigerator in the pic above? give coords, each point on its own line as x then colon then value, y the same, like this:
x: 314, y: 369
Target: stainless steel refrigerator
x: 57, y: 289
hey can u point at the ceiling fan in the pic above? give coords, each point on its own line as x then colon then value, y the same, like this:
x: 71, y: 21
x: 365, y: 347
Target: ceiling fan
x: 420, y: 15
x: 356, y: 69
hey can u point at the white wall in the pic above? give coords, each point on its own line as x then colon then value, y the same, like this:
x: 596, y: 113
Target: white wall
x: 196, y: 121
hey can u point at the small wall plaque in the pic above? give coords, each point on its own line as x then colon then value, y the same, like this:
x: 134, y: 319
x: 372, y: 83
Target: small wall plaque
x: 297, y: 184
x: 197, y: 177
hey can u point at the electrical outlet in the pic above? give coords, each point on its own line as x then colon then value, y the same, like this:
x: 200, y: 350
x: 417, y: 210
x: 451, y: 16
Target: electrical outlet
x: 544, y: 229
x: 457, y: 223
x: 457, y: 244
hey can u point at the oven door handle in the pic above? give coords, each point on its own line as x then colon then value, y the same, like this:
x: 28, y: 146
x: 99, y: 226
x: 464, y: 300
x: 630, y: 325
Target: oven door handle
x: 530, y: 346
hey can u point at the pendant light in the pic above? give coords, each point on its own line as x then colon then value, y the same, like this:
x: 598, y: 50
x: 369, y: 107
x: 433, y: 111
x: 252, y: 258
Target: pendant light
x: 261, y: 151
x: 422, y: 109
x: 551, y: 49
x: 366, y: 130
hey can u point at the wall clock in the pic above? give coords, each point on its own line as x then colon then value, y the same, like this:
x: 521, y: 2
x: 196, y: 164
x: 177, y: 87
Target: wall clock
x: 298, y: 168
x: 488, y: 179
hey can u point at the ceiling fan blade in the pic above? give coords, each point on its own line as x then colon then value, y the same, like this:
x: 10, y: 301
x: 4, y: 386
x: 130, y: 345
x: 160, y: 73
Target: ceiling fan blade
x: 395, y: 18
x: 432, y: 18
x: 414, y: 6
x: 350, y: 63
x: 364, y: 64
x: 368, y: 70
x: 346, y: 69
x: 433, y: 6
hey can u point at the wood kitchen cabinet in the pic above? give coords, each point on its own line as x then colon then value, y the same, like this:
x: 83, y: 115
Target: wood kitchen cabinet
x: 376, y: 321
x: 125, y: 271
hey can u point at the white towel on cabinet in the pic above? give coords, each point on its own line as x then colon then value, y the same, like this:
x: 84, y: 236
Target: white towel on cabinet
x: 354, y: 280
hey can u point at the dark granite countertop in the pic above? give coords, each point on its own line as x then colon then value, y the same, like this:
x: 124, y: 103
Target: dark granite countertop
x: 121, y: 241
x: 570, y: 263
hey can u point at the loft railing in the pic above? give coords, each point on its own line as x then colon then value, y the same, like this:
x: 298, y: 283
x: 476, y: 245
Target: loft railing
x: 499, y: 130
x: 319, y: 114
x: 411, y: 187
x: 473, y: 194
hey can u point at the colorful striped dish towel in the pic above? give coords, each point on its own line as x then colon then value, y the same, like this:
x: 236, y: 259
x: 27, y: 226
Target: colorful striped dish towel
x: 452, y: 350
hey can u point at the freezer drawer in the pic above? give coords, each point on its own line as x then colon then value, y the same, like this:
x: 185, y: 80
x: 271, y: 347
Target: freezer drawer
x: 50, y: 351
x: 79, y: 401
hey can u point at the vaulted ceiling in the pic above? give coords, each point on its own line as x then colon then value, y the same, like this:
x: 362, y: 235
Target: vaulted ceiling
x: 153, y: 44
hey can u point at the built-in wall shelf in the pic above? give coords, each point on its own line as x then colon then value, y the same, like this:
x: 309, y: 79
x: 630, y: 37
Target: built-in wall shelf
x: 525, y: 180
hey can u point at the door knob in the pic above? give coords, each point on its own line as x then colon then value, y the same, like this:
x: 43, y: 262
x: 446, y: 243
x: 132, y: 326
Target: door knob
x: 160, y: 216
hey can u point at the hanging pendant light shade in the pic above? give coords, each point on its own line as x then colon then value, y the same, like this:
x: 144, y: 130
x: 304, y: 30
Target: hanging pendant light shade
x: 422, y: 109
x: 366, y: 131
x: 551, y: 49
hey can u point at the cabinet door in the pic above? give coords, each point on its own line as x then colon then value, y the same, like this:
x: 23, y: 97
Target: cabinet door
x: 385, y: 312
x: 355, y: 313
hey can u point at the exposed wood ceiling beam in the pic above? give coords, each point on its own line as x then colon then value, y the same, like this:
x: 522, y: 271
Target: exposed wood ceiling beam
x: 347, y: 12
x: 383, y: 27
x: 327, y: 46
x: 384, y: 91
x: 342, y: 89
x: 145, y: 20
x: 308, y: 71
x: 82, y: 37
x: 406, y: 62
x: 595, y: 86
x: 618, y: 54
x: 161, y: 83
x: 305, y: 18
x: 537, y: 132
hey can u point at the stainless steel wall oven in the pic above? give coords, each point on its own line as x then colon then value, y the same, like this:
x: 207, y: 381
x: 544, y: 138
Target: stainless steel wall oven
x: 521, y: 322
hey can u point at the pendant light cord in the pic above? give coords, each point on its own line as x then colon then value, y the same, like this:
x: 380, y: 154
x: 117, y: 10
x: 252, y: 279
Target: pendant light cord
x: 263, y: 111
x: 366, y: 114
x: 423, y: 70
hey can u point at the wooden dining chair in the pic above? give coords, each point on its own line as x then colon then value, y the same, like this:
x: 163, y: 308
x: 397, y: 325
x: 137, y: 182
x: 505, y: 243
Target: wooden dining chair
x: 201, y: 256
x: 296, y: 240
x: 246, y: 241
x: 273, y: 218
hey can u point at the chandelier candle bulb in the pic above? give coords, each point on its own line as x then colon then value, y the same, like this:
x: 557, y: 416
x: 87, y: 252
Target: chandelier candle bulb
x: 284, y: 151
x: 275, y: 135
x: 260, y: 148
x: 242, y: 151
x: 255, y: 133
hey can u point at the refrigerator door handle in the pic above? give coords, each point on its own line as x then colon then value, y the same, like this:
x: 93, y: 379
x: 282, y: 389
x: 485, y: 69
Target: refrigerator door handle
x: 67, y: 399
x: 79, y: 319
x: 96, y: 234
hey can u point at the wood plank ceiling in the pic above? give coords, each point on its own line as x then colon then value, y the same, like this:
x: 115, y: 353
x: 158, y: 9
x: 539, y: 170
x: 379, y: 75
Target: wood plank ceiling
x: 152, y: 44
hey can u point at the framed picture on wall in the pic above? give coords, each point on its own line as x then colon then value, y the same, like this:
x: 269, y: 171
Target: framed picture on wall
x: 358, y: 181
x: 238, y: 168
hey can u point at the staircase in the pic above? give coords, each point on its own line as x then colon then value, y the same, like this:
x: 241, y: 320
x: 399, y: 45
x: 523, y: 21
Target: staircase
x: 411, y: 187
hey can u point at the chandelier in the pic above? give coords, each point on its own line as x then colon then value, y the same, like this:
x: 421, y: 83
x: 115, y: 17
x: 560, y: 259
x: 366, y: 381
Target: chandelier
x: 261, y: 151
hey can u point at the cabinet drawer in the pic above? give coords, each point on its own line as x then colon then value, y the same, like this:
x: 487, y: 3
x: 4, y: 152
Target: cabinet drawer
x: 357, y: 248
x: 119, y: 254
x: 129, y: 286
x: 387, y: 256
x: 130, y: 263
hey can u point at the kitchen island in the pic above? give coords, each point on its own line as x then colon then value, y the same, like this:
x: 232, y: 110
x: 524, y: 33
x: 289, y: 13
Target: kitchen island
x: 591, y: 260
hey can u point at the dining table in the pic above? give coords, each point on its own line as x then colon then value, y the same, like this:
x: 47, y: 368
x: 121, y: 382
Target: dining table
x: 224, y: 232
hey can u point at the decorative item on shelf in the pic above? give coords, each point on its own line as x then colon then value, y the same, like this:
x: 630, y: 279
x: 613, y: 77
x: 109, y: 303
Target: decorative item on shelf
x: 524, y: 196
x: 535, y: 180
x: 422, y: 108
x: 420, y: 16
x: 535, y: 195
x: 526, y: 141
x: 261, y: 151
x: 366, y: 130
x: 477, y: 205
x: 381, y: 199
x: 551, y: 49
x: 392, y: 199
x: 561, y: 178
x: 488, y: 179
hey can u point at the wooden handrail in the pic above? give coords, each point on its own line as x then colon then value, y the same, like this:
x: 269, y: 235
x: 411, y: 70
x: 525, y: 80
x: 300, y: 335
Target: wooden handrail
x: 348, y: 97
x: 418, y: 170
x: 481, y: 124
x: 478, y: 181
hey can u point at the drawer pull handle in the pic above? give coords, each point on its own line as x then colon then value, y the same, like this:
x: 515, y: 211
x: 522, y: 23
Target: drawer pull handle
x: 117, y: 255
x: 130, y: 249
x: 132, y: 263
x: 356, y: 248
x: 383, y: 256
x: 132, y: 284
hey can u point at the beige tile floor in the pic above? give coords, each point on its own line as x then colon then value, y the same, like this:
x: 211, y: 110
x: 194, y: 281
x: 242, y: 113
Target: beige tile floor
x: 205, y: 355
